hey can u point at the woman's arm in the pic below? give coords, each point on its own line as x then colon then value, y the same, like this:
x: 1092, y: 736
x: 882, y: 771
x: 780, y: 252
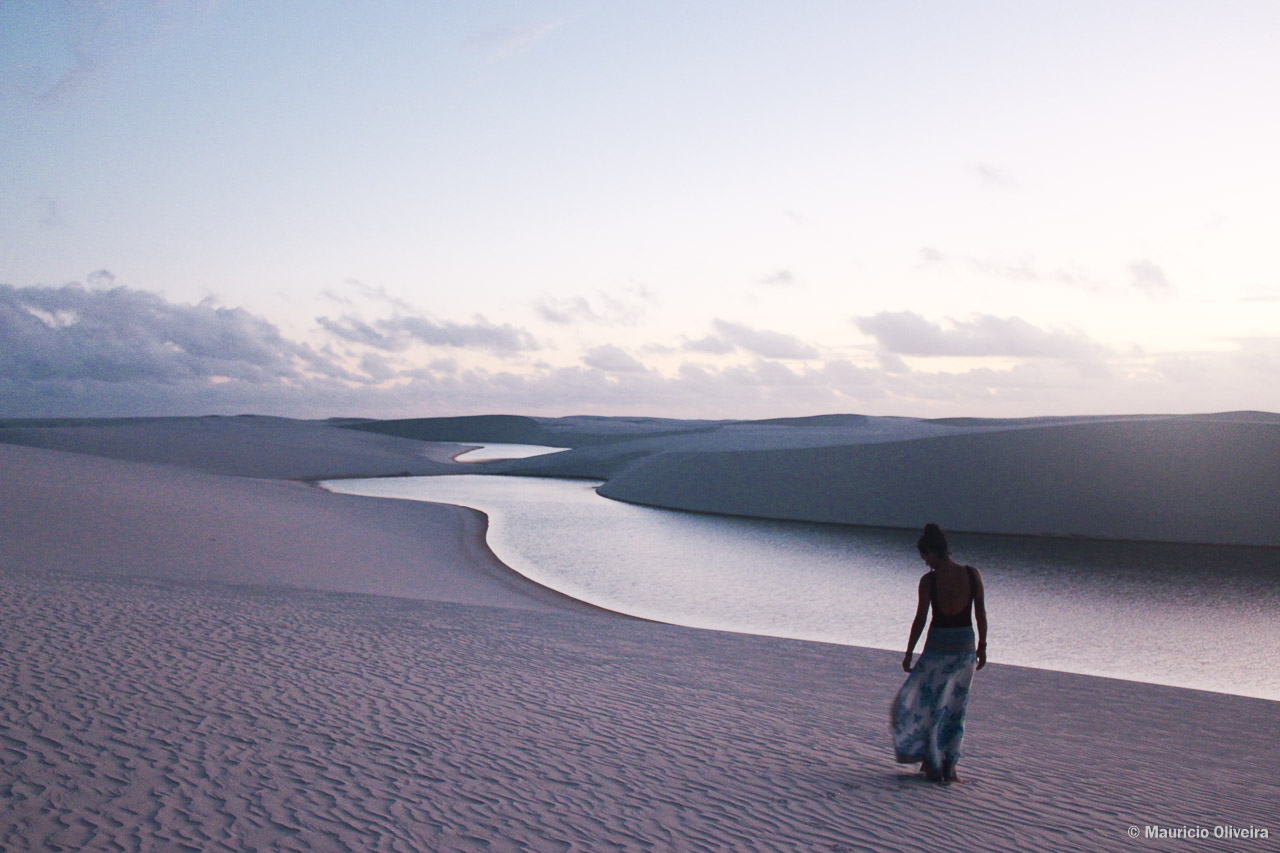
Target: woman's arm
x: 980, y: 616
x: 917, y: 626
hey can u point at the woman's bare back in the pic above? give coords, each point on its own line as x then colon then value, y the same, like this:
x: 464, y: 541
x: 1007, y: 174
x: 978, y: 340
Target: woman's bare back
x: 952, y: 588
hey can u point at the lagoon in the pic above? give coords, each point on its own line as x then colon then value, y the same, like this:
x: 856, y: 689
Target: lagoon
x: 1184, y: 615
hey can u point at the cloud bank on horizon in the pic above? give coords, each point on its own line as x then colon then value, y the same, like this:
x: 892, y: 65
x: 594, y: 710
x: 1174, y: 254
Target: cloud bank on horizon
x: 112, y: 350
x: 663, y: 209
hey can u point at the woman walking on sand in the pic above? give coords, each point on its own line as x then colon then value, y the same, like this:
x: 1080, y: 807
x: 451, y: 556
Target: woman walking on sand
x: 928, y: 713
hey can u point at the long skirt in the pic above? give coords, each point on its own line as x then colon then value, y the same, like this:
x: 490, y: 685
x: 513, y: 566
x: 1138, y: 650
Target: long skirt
x: 928, y: 713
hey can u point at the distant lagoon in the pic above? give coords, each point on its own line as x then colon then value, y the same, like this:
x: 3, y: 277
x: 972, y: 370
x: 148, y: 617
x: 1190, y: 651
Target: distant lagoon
x: 1183, y: 615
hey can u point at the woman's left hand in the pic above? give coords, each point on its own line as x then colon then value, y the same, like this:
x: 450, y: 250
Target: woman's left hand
x: 982, y: 656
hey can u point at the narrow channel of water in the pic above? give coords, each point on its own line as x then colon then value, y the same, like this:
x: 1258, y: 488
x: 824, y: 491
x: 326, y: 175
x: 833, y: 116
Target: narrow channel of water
x: 1190, y: 616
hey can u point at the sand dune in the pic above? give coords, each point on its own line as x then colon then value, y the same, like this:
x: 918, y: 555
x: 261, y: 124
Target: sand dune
x: 1186, y: 478
x: 1167, y: 481
x: 196, y: 661
x: 83, y: 515
x: 247, y: 445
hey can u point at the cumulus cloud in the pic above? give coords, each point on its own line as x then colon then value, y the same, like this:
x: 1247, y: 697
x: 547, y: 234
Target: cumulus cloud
x: 611, y: 359
x: 77, y: 351
x: 123, y: 335
x: 891, y: 363
x: 762, y: 342
x: 907, y: 333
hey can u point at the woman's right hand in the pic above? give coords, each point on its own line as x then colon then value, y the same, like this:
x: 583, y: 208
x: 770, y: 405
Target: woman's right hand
x: 906, y: 663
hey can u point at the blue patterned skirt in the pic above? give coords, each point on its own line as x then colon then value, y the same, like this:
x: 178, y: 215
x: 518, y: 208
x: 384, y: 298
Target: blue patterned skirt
x: 928, y: 713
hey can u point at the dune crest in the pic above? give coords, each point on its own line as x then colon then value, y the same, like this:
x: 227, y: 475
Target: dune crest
x: 1210, y: 479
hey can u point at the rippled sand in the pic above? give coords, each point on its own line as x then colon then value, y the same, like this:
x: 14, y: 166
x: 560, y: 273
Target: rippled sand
x: 158, y: 697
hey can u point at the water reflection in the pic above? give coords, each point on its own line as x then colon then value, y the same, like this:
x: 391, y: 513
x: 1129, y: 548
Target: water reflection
x: 1193, y: 616
x: 489, y: 452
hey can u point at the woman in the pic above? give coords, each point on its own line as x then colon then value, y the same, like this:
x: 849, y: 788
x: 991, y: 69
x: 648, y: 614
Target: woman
x: 928, y: 714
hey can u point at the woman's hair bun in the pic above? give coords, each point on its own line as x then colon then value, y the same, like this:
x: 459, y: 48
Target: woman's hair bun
x: 933, y: 541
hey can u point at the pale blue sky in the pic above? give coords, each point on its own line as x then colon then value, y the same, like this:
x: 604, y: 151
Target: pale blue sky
x: 688, y: 209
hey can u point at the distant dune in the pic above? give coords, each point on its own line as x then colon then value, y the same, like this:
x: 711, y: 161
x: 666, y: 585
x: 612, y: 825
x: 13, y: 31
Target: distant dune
x: 1169, y: 481
x: 246, y: 445
x: 1179, y: 478
x: 1185, y: 478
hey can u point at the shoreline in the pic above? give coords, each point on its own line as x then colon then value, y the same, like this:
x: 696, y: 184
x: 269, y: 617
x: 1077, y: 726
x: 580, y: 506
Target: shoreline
x: 1067, y: 537
x: 1153, y: 673
x: 1064, y: 537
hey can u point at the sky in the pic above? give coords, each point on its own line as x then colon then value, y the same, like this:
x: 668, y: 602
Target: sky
x: 685, y: 209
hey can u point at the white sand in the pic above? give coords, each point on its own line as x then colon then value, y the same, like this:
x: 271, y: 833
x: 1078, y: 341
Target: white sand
x: 247, y: 445
x: 75, y: 514
x: 187, y: 668
x: 1204, y: 479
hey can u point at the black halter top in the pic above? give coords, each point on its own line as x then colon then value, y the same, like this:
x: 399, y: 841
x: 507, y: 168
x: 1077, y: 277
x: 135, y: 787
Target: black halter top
x: 962, y: 619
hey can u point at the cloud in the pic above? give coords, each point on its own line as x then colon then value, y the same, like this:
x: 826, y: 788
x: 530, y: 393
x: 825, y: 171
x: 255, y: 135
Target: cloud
x: 379, y: 368
x: 356, y: 331
x: 499, y: 44
x: 565, y: 311
x: 891, y: 362
x: 122, y: 335
x: 611, y: 359
x: 50, y: 212
x: 480, y: 334
x: 729, y: 336
x: 711, y: 345
x: 907, y: 333
x: 779, y: 278
x: 82, y: 351
x: 602, y: 309
x: 398, y: 332
x: 1150, y: 278
x: 407, y: 325
x: 1262, y: 294
x: 68, y: 47
x: 1023, y: 269
x: 379, y: 295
